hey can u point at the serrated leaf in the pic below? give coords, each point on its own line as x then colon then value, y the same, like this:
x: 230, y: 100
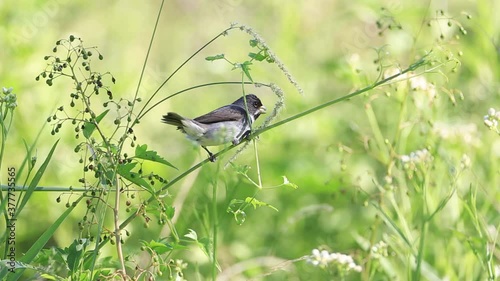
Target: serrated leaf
x: 240, y: 169
x: 159, y: 247
x: 257, y: 56
x: 75, y: 252
x: 232, y: 204
x: 170, y: 212
x: 216, y: 57
x: 270, y: 59
x: 142, y: 152
x: 89, y: 127
x: 246, y: 69
x: 256, y: 203
x: 125, y: 170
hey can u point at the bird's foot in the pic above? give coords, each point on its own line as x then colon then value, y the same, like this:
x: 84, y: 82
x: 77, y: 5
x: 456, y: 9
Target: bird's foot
x: 212, y: 157
x: 246, y: 135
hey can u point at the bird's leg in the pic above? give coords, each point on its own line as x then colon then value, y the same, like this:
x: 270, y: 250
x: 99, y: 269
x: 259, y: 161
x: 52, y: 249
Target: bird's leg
x: 246, y: 135
x: 211, y: 156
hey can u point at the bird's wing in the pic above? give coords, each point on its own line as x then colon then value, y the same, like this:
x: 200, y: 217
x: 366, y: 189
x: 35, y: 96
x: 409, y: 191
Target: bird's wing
x: 226, y: 113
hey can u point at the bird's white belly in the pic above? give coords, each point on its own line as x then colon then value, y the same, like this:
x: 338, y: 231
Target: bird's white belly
x: 216, y: 133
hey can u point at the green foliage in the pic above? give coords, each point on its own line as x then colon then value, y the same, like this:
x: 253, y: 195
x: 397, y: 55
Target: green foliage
x: 142, y: 152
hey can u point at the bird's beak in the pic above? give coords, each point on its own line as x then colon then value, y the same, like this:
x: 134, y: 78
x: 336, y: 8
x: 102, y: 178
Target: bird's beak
x: 262, y: 110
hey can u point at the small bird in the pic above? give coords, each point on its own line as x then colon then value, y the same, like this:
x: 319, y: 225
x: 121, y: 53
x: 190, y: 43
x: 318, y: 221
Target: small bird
x: 226, y: 124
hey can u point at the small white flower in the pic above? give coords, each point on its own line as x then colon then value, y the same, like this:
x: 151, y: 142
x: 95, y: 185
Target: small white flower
x: 491, y: 112
x: 7, y: 90
x: 491, y: 119
x: 405, y: 158
x: 379, y: 250
x: 319, y: 258
x: 10, y: 99
x: 465, y: 161
x: 490, y: 123
x: 340, y: 261
x: 497, y: 115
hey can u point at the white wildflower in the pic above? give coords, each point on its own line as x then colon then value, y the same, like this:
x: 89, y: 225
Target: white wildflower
x: 324, y: 259
x: 10, y: 99
x: 465, y: 161
x: 491, y: 119
x: 415, y: 158
x: 7, y: 91
x: 491, y: 112
x: 379, y: 250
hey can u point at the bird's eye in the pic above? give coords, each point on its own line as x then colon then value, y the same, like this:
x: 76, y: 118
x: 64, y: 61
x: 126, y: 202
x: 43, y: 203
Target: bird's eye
x: 255, y: 104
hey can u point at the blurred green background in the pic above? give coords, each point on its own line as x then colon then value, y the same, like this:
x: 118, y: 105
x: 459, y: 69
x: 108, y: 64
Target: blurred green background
x: 329, y: 47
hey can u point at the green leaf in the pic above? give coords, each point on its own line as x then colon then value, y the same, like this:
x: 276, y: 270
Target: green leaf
x: 245, y: 67
x: 253, y: 43
x: 142, y: 152
x: 240, y: 169
x: 158, y: 247
x: 89, y: 127
x: 75, y: 252
x: 257, y: 57
x: 125, y: 170
x: 256, y: 203
x: 216, y: 57
x: 36, y: 179
x: 170, y: 212
x: 46, y: 276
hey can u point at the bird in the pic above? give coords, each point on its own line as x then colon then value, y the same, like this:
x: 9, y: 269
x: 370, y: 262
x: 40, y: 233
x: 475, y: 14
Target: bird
x: 229, y: 123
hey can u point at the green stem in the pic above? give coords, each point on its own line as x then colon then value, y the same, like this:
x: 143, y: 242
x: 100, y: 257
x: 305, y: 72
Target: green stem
x: 257, y: 162
x: 383, y: 154
x: 117, y: 234
x: 214, y: 233
x: 179, y: 68
x: 146, y: 59
x: 420, y: 255
x: 412, y: 67
x: 423, y: 228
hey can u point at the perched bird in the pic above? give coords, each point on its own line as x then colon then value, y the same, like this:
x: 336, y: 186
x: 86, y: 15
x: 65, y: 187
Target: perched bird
x: 230, y: 123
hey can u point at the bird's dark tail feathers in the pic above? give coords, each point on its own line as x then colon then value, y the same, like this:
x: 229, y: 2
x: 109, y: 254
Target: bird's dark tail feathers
x: 173, y: 119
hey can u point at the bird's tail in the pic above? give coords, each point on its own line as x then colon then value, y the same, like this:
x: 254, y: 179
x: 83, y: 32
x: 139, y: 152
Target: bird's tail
x: 173, y: 119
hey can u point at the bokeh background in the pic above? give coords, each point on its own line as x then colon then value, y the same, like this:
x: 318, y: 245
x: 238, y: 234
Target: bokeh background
x: 330, y: 47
